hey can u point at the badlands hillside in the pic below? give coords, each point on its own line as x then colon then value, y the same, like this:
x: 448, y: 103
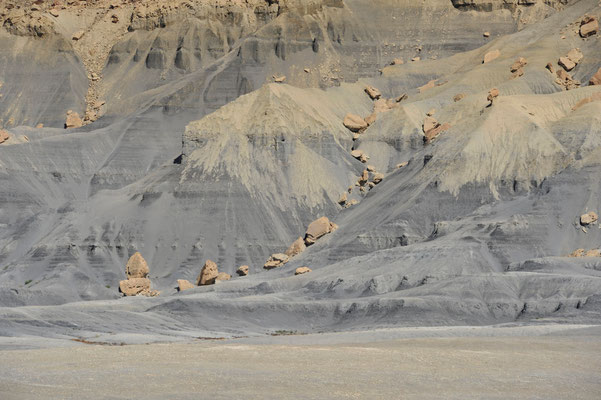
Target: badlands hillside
x: 369, y: 164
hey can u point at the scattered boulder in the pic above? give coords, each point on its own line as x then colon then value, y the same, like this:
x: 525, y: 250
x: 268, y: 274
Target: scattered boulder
x: 429, y: 123
x: 588, y: 218
x: 73, y: 120
x: 373, y: 93
x: 431, y: 112
x: 433, y: 133
x: 397, y: 61
x: 492, y: 95
x: 360, y: 155
x: 208, y: 274
x: 588, y: 26
x: 183, y: 284
x: 4, y: 136
x: 279, y: 79
x: 363, y: 178
x: 402, y: 165
x: 302, y: 270
x: 490, y: 56
x: 593, y: 253
x: 77, y: 35
x: 459, y: 97
x: 566, y: 63
x: 342, y: 199
x: 222, y: 276
x: 428, y: 85
x: 577, y: 253
x: 575, y: 55
x: 518, y: 64
x: 276, y: 260
x: 351, y: 203
x: 486, y: 34
x: 371, y: 168
x: 596, y: 79
x: 550, y: 68
x: 298, y: 246
x: 378, y: 177
x: 243, y: 270
x: 136, y: 267
x: 415, y: 59
x: 318, y: 228
x: 53, y: 12
x: 135, y: 286
x: 564, y: 79
x: 354, y: 123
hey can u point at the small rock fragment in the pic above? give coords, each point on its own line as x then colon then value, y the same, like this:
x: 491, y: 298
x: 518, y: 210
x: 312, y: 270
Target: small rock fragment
x: 243, y: 270
x: 302, y: 270
x: 490, y: 56
x: 550, y: 68
x: 183, y: 284
x: 373, y: 93
x: 378, y: 177
x: 53, y: 12
x: 434, y: 132
x: 78, y: 35
x: 402, y: 165
x: 279, y: 79
x: 428, y: 85
x: 492, y: 95
x: 343, y: 199
x: 588, y: 218
x: 486, y: 34
x: 459, y: 97
x: 397, y: 61
x: 518, y: 64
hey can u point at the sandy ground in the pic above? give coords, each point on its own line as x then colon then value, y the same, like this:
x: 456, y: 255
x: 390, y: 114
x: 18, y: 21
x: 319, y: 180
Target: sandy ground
x: 560, y: 366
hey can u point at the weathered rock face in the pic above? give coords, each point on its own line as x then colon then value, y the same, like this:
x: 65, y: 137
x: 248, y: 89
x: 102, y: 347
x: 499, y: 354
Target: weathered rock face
x: 276, y: 260
x: 297, y: 247
x: 183, y: 284
x: 208, y: 274
x: 136, y: 267
x: 135, y: 286
x: 243, y: 270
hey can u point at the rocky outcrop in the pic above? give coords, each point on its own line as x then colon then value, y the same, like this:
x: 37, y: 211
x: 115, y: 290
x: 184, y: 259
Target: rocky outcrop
x: 276, y: 260
x: 183, y: 284
x: 302, y: 270
x: 297, y: 247
x: 318, y: 228
x: 585, y: 253
x: 588, y: 218
x: 136, y: 267
x: 243, y: 270
x: 208, y: 274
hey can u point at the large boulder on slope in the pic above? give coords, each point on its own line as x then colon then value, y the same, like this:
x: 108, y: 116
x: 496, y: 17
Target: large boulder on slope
x: 318, y: 228
x: 208, y: 274
x: 135, y: 286
x: 588, y: 218
x: 183, y: 284
x: 276, y: 260
x: 297, y: 247
x: 136, y: 267
x: 588, y: 26
x: 354, y: 123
